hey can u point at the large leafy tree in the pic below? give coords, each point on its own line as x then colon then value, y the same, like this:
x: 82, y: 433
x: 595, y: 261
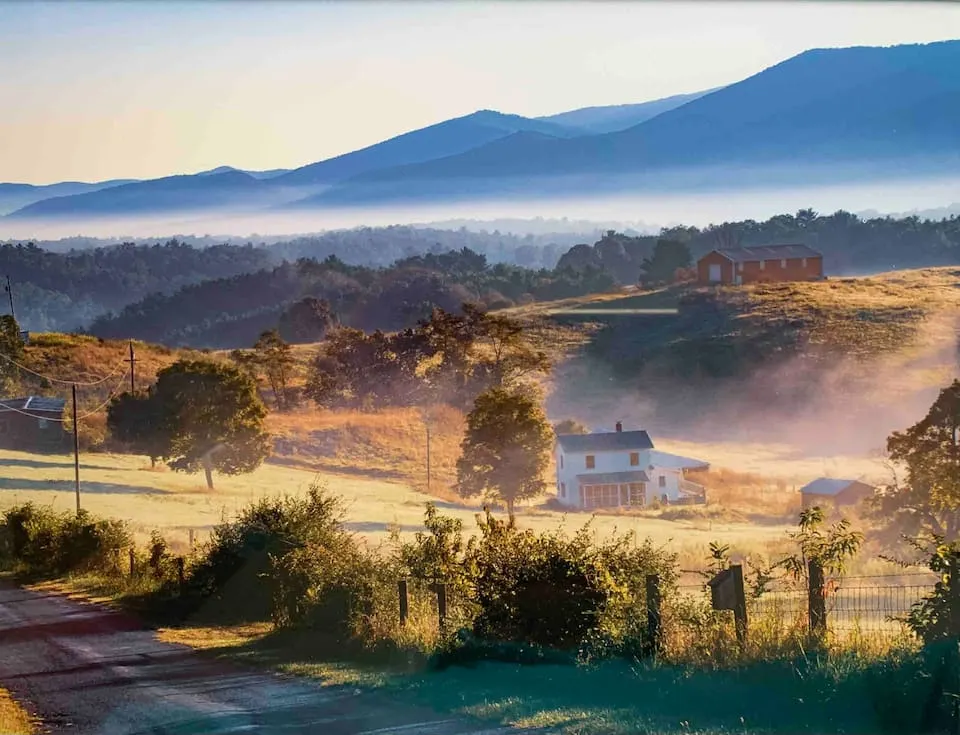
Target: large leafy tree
x: 505, y: 449
x: 213, y: 418
x: 275, y: 359
x: 927, y: 499
x: 134, y: 420
x: 307, y: 320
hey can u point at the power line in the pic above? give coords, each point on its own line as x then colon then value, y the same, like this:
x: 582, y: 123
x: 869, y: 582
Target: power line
x: 66, y: 382
x: 109, y: 398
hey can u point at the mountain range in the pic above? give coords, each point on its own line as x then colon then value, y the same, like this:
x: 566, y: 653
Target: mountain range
x: 824, y: 114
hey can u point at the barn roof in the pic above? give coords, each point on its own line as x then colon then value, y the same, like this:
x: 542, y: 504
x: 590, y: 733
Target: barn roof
x: 609, y: 441
x: 33, y: 404
x: 828, y: 486
x: 768, y: 252
x: 609, y: 478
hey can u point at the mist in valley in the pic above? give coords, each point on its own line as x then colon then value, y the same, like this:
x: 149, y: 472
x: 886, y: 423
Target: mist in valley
x: 641, y: 212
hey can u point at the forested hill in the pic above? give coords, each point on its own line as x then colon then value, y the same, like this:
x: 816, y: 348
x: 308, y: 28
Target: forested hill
x: 851, y: 245
x: 65, y: 285
x: 232, y: 312
x: 64, y: 291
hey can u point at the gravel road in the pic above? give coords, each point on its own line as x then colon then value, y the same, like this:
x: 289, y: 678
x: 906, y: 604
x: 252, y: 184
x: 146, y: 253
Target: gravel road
x: 86, y: 669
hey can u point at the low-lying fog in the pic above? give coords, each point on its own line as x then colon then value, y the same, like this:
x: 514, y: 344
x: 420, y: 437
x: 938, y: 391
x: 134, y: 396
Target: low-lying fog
x: 643, y: 212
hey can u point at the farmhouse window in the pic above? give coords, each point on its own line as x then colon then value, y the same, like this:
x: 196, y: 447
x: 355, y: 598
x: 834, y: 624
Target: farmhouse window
x: 763, y: 264
x: 634, y: 459
x: 663, y: 481
x: 591, y: 462
x: 783, y: 262
x: 561, y: 461
x: 638, y: 493
x: 563, y: 489
x: 43, y: 423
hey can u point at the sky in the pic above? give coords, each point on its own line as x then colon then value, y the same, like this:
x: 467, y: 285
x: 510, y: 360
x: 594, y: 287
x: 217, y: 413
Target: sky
x: 100, y: 90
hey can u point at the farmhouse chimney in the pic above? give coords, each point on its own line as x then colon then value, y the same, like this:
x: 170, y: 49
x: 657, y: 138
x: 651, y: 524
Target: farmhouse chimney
x: 619, y: 427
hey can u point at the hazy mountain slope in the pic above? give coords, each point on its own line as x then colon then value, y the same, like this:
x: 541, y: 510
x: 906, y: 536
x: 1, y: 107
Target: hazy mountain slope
x: 170, y: 193
x: 830, y: 106
x: 610, y: 118
x: 443, y: 139
x: 15, y: 196
x: 269, y: 174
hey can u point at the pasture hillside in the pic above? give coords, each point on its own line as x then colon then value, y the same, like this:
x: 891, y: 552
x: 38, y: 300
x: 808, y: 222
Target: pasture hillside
x: 830, y: 367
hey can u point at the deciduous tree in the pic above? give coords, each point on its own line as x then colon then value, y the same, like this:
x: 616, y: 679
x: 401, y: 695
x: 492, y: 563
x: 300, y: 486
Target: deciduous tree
x: 506, y: 447
x: 214, y: 417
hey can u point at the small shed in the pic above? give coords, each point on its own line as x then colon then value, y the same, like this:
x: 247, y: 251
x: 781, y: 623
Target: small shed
x: 828, y: 491
x: 32, y: 424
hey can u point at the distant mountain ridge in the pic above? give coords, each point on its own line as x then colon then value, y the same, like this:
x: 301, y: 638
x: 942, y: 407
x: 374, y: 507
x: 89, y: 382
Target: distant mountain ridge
x: 611, y: 118
x: 859, y: 112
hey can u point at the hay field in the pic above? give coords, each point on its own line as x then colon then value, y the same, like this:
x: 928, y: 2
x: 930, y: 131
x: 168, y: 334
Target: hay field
x: 123, y: 486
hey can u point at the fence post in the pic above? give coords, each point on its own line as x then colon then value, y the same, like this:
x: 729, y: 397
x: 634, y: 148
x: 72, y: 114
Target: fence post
x: 816, y: 601
x: 190, y: 533
x: 180, y: 574
x: 404, y: 602
x: 442, y: 604
x: 133, y: 566
x: 654, y: 633
x: 739, y: 605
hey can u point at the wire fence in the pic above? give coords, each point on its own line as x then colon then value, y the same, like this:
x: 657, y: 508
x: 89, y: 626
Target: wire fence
x: 873, y: 607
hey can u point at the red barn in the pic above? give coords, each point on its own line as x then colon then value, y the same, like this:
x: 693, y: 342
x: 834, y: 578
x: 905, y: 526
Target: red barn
x: 761, y: 264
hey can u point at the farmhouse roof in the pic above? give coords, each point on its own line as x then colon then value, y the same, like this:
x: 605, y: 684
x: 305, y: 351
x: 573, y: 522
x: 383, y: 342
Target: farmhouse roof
x: 33, y: 404
x: 768, y: 252
x: 829, y: 486
x: 605, y: 478
x: 610, y: 441
x: 676, y: 461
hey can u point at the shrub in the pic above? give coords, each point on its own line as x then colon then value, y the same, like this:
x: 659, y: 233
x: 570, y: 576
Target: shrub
x: 43, y: 541
x: 937, y: 615
x: 554, y: 590
x: 236, y: 564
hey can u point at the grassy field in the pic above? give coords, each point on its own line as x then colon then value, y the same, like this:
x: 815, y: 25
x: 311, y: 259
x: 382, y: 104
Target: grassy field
x: 13, y: 719
x: 123, y: 486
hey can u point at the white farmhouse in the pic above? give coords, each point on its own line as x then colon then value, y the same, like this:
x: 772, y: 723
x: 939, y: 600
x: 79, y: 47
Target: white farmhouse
x: 621, y: 468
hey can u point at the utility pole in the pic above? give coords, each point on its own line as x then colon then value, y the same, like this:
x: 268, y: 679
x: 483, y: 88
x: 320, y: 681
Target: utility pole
x: 132, y: 360
x: 76, y: 448
x: 428, y: 454
x: 9, y: 290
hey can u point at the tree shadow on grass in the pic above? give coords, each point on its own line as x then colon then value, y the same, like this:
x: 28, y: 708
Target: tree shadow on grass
x: 97, y: 488
x: 52, y: 464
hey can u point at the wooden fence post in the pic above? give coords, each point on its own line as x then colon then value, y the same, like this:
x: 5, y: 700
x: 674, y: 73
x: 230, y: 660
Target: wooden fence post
x: 442, y: 605
x: 190, y: 534
x: 816, y: 600
x: 404, y: 602
x: 180, y: 575
x: 133, y: 564
x: 654, y: 633
x: 739, y: 605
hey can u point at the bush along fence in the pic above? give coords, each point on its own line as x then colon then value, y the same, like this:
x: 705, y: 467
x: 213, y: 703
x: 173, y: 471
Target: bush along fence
x: 549, y: 595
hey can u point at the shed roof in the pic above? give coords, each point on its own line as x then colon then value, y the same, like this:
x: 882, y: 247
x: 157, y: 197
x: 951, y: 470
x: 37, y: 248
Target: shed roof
x: 768, y: 252
x: 830, y: 486
x: 609, y: 441
x: 605, y: 478
x: 33, y: 404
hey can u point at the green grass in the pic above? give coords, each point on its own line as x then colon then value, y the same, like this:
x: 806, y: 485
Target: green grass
x: 613, y: 698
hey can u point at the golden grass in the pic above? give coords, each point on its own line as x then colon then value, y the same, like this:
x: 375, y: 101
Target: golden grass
x: 121, y: 486
x: 391, y: 444
x: 14, y: 720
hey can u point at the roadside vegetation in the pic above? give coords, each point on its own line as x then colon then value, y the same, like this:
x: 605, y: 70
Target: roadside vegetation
x: 14, y: 720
